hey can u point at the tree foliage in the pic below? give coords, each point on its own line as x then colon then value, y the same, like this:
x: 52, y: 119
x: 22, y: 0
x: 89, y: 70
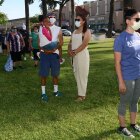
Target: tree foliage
x: 1, y: 2
x: 3, y: 18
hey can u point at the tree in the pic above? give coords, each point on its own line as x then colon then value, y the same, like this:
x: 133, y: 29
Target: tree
x: 72, y: 15
x: 3, y: 18
x: 1, y: 2
x: 110, y: 23
x: 27, y: 2
x: 61, y: 3
x: 43, y: 6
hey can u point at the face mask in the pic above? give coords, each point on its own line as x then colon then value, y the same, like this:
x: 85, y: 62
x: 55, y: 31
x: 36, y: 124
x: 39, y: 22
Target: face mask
x: 77, y: 24
x: 136, y: 26
x: 52, y: 20
x: 14, y: 30
x: 36, y: 31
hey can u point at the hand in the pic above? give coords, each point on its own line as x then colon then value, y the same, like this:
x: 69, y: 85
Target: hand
x: 71, y: 53
x: 122, y: 87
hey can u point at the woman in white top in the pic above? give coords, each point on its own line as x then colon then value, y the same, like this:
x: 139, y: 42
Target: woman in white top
x: 77, y: 49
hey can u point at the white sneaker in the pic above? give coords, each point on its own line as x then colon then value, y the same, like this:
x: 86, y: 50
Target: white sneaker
x: 32, y: 57
x: 25, y: 58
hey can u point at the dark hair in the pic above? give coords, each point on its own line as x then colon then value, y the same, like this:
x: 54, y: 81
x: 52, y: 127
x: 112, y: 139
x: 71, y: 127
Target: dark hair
x: 41, y: 18
x: 85, y: 23
x: 35, y: 26
x: 129, y: 13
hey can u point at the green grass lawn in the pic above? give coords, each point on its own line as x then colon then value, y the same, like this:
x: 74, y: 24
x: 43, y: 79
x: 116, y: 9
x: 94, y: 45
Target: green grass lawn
x: 23, y: 116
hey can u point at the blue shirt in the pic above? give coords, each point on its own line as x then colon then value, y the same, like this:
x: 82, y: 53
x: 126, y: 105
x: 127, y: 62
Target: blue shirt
x: 129, y: 47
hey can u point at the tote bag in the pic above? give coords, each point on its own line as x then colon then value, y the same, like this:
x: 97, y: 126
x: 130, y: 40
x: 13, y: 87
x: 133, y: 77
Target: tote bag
x: 9, y: 64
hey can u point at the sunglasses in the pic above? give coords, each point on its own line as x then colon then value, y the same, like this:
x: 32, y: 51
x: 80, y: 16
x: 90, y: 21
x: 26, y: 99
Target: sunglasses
x: 137, y: 19
x: 77, y: 19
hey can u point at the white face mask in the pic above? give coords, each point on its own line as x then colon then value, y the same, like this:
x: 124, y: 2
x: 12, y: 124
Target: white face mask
x: 136, y: 25
x: 52, y: 20
x: 77, y: 24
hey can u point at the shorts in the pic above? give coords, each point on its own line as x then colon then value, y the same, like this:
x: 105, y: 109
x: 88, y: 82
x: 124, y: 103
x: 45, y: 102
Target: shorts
x: 16, y: 56
x: 51, y: 46
x: 49, y: 62
x: 35, y: 54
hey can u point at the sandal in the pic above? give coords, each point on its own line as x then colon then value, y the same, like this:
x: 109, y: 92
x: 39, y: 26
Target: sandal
x: 80, y: 98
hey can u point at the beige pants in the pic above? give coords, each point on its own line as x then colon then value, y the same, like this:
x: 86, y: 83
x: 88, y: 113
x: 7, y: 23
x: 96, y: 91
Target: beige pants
x: 81, y: 71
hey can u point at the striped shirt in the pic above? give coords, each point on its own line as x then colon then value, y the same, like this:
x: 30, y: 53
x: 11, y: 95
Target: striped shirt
x: 15, y: 42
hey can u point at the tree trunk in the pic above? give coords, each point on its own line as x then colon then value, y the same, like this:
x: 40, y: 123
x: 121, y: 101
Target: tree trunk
x: 27, y: 21
x: 44, y: 7
x: 110, y: 24
x: 72, y: 15
x: 60, y: 15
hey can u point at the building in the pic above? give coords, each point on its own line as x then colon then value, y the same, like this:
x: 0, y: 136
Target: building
x: 99, y: 14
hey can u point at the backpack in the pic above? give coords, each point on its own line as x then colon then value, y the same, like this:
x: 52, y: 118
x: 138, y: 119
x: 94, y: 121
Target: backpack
x: 9, y: 64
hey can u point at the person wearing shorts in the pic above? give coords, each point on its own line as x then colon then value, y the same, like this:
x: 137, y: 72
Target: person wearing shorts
x: 49, y: 62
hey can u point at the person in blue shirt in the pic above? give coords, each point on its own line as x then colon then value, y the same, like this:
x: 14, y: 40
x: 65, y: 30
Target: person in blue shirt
x: 127, y: 64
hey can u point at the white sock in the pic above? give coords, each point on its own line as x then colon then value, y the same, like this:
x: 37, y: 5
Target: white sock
x: 43, y: 89
x: 55, y: 88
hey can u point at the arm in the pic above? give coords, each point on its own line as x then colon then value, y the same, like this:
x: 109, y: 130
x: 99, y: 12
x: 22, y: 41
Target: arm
x: 70, y: 52
x: 60, y: 38
x: 30, y: 43
x: 122, y: 87
x: 85, y: 42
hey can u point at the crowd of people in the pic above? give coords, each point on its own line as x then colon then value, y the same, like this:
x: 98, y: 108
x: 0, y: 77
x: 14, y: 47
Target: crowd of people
x: 46, y: 41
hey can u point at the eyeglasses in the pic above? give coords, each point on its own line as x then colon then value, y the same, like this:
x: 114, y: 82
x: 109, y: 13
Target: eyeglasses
x: 136, y: 19
x: 77, y: 19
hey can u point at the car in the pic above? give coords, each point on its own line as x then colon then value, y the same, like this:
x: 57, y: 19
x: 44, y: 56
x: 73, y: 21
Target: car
x: 105, y: 30
x: 66, y: 32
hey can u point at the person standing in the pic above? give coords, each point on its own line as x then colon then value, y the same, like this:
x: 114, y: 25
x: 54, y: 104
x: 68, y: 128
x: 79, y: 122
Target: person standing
x: 49, y: 60
x: 14, y: 40
x: 33, y: 43
x: 77, y: 49
x: 3, y: 42
x: 127, y: 64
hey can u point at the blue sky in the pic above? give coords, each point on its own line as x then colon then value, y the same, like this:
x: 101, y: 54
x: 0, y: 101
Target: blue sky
x: 15, y: 8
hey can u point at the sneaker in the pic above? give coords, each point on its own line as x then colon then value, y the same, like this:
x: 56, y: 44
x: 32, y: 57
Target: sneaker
x: 57, y: 94
x: 135, y: 128
x: 25, y: 58
x: 44, y: 97
x: 32, y: 58
x: 126, y: 133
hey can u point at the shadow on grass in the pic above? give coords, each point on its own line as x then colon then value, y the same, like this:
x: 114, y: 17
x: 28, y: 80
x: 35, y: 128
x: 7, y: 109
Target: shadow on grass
x: 99, y: 136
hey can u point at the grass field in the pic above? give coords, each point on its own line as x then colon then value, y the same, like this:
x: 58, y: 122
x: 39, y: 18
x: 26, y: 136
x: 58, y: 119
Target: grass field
x: 23, y: 116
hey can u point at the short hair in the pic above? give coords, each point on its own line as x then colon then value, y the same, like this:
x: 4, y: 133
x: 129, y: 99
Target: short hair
x: 41, y: 18
x: 129, y: 13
